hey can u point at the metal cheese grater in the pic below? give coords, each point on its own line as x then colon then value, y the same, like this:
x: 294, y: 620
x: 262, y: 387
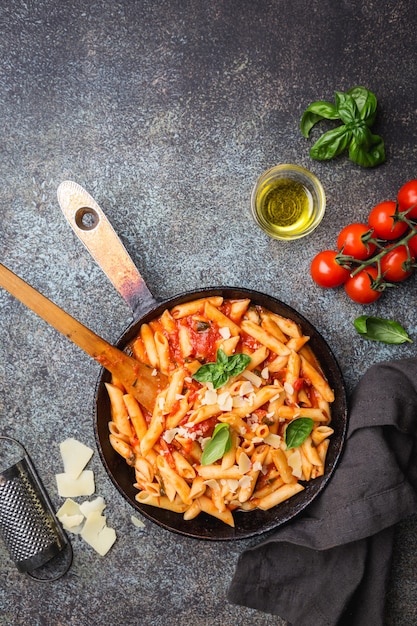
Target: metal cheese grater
x: 28, y: 525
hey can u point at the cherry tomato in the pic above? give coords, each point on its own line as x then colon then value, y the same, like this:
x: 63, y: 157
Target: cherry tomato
x: 381, y: 219
x: 326, y: 271
x: 359, y: 289
x: 407, y: 197
x: 350, y: 241
x: 412, y: 246
x: 394, y: 264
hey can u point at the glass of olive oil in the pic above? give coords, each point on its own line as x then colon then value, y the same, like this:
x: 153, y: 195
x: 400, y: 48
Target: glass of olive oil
x: 288, y: 202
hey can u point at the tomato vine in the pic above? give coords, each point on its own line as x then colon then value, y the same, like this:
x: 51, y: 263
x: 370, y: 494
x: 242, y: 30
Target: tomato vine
x: 376, y: 255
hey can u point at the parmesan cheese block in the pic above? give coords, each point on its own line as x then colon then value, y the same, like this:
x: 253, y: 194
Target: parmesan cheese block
x: 89, y: 506
x: 70, y: 516
x: 70, y: 507
x: 72, y: 523
x: 69, y: 487
x: 97, y: 534
x: 75, y: 456
x: 137, y: 522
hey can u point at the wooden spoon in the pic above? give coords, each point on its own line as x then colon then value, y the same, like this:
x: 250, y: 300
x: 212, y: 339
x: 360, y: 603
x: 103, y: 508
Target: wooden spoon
x: 139, y: 379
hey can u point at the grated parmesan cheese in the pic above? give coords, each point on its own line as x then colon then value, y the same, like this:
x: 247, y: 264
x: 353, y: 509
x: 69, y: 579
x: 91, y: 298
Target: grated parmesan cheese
x: 245, y: 482
x: 225, y: 401
x: 288, y: 388
x: 246, y: 388
x: 294, y: 461
x: 169, y: 435
x: 244, y: 463
x: 225, y: 332
x: 265, y: 373
x: 253, y: 378
x: 238, y: 401
x: 210, y: 397
x: 212, y: 483
x: 273, y: 440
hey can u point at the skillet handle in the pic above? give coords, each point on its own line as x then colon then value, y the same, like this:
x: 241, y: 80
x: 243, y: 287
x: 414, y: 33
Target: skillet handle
x: 97, y: 234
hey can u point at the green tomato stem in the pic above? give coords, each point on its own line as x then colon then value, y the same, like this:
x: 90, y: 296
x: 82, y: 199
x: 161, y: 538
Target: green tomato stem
x: 376, y: 259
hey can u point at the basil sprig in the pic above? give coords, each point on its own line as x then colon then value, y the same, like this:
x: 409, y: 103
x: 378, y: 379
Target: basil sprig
x: 380, y: 329
x: 356, y: 109
x: 297, y: 431
x: 225, y: 367
x: 218, y: 445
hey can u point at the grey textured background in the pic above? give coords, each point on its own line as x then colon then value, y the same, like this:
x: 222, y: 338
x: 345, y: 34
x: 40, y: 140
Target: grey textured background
x: 166, y: 111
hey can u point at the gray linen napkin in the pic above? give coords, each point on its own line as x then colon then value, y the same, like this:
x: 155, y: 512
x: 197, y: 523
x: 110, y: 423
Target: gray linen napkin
x: 330, y: 566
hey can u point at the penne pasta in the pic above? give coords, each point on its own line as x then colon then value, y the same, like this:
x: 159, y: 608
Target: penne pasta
x: 123, y: 449
x: 161, y: 502
x: 280, y: 461
x: 238, y: 308
x: 162, y: 350
x: 147, y: 336
x: 207, y: 505
x: 214, y: 314
x: 288, y: 327
x: 279, y: 495
x: 292, y: 375
x: 252, y: 406
x: 119, y: 412
x: 155, y: 430
x: 183, y: 467
x: 174, y: 389
x: 195, y: 306
x: 173, y: 480
x: 136, y: 416
x: 217, y: 472
x: 317, y: 380
x: 291, y: 412
x: 265, y: 338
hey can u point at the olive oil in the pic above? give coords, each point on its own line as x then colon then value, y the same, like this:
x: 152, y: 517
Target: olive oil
x: 288, y: 202
x: 286, y: 205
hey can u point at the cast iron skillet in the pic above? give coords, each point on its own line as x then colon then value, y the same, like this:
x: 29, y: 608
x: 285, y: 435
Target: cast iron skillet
x: 76, y: 204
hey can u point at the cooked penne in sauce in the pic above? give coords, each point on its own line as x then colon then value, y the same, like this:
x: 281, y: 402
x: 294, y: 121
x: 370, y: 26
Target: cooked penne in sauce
x: 217, y: 440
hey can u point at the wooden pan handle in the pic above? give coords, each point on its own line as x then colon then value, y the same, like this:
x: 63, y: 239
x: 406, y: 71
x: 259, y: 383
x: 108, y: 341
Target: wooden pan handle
x: 139, y: 379
x: 94, y: 230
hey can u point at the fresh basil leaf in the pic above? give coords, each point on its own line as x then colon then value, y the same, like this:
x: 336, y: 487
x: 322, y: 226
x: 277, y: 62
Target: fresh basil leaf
x: 221, y: 357
x: 346, y: 107
x: 356, y: 108
x: 362, y: 135
x: 225, y: 367
x: 218, y: 445
x: 368, y: 157
x: 237, y: 363
x: 380, y: 329
x: 316, y: 112
x: 360, y: 324
x: 366, y: 103
x: 297, y: 431
x: 205, y: 373
x: 220, y: 378
x: 330, y: 144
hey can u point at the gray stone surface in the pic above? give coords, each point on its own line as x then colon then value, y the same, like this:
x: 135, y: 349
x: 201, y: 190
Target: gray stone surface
x: 166, y: 111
